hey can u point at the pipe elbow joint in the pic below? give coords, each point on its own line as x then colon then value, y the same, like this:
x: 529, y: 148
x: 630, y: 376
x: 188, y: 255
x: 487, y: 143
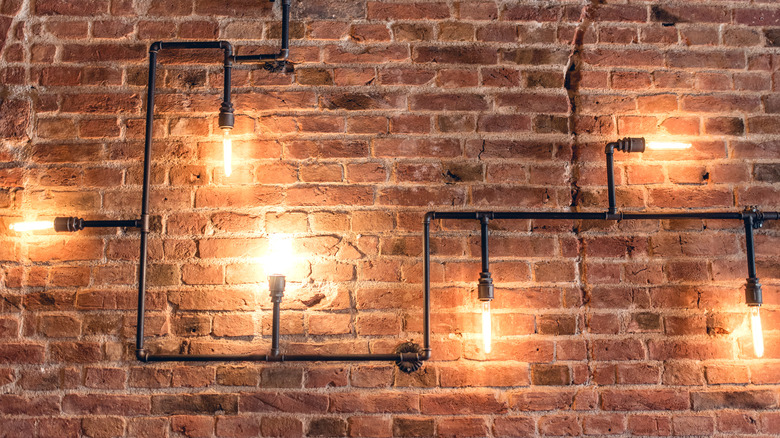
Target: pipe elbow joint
x: 431, y: 215
x: 142, y: 355
x: 155, y: 47
x: 228, y: 48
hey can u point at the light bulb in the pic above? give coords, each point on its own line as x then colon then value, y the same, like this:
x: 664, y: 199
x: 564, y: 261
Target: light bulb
x: 22, y: 227
x: 227, y: 147
x: 486, y: 327
x: 280, y: 256
x: 667, y: 145
x: 758, y: 334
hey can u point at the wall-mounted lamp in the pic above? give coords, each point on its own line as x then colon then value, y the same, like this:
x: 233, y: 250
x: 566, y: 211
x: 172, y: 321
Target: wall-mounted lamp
x: 278, y: 263
x: 70, y: 224
x: 485, y: 288
x: 753, y: 296
x: 752, y: 218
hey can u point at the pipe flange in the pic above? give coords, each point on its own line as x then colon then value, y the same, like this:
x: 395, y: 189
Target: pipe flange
x: 409, y: 366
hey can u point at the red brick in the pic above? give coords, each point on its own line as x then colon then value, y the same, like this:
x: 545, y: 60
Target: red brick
x: 365, y: 426
x: 239, y: 426
x: 644, y: 399
x: 462, y: 427
x: 75, y: 8
x: 472, y: 403
x: 193, y: 426
x: 401, y: 11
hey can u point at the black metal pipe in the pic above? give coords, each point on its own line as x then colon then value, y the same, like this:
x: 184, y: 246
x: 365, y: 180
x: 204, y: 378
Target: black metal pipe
x: 143, y: 261
x: 484, y: 243
x: 275, y: 329
x: 284, y: 52
x: 283, y: 357
x: 159, y: 45
x: 611, y: 179
x: 750, y: 248
x: 135, y: 223
x: 571, y: 215
x: 427, y: 288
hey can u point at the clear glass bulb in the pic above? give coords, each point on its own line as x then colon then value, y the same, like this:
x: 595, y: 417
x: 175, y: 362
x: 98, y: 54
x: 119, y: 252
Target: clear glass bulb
x: 32, y: 226
x: 227, y: 147
x: 486, y: 327
x: 758, y: 334
x: 667, y: 145
x: 280, y: 258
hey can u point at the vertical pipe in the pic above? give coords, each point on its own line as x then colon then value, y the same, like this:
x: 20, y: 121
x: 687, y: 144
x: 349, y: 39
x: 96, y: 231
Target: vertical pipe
x: 749, y: 247
x: 611, y: 180
x: 484, y: 239
x: 427, y: 282
x: 275, y: 329
x: 285, y: 29
x: 228, y: 66
x: 142, y: 264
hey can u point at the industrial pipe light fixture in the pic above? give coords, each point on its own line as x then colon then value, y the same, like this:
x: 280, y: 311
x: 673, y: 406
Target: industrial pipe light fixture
x: 751, y: 217
x: 409, y: 356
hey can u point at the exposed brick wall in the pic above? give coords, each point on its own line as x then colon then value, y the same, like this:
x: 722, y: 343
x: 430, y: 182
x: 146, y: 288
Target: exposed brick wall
x: 394, y: 109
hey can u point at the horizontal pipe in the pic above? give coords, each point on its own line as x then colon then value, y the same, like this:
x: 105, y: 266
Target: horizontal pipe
x: 564, y: 215
x: 159, y: 45
x: 283, y: 357
x: 110, y: 223
x: 261, y: 57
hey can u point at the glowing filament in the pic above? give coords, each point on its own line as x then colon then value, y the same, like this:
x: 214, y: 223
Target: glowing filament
x: 22, y: 227
x: 758, y: 335
x: 667, y: 146
x: 227, y: 147
x: 280, y: 258
x: 486, y: 327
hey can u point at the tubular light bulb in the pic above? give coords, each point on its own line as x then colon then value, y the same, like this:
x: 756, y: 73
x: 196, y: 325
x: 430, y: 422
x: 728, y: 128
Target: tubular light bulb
x: 758, y: 334
x: 22, y: 227
x: 667, y: 146
x: 486, y: 327
x: 227, y: 146
x: 280, y: 257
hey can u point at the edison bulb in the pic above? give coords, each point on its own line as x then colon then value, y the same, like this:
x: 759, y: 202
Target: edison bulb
x: 227, y: 148
x: 667, y: 145
x: 486, y: 327
x: 31, y: 226
x: 280, y: 258
x: 758, y: 334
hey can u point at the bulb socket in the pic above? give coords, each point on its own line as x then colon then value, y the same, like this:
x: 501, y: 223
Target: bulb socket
x: 68, y: 224
x: 753, y: 296
x: 276, y: 285
x: 485, y: 287
x: 226, y: 118
x: 627, y: 144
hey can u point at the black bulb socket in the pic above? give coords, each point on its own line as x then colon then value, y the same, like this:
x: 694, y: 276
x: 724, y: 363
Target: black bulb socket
x: 627, y: 144
x: 226, y: 118
x: 68, y: 224
x: 753, y: 296
x: 485, y: 287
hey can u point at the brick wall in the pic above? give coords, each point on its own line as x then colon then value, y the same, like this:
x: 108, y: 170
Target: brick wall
x: 394, y: 109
